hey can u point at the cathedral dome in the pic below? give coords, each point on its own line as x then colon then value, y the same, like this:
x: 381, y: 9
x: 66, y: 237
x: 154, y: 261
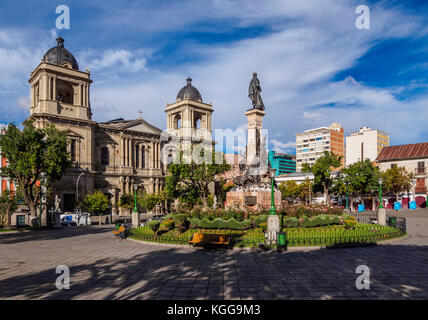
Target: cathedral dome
x: 189, y: 92
x: 61, y: 56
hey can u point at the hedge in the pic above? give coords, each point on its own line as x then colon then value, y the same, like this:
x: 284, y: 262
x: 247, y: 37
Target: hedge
x: 219, y: 223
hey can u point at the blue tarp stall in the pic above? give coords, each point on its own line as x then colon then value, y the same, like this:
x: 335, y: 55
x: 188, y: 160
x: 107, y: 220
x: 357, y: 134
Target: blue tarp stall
x: 397, y: 205
x: 412, y: 204
x: 361, y: 208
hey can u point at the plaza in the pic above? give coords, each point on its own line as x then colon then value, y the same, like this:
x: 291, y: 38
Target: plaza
x: 101, y: 268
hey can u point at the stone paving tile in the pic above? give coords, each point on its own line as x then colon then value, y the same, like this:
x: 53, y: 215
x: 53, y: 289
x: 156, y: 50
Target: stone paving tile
x: 104, y: 269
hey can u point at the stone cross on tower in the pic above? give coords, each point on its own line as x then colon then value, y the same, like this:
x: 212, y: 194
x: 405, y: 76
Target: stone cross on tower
x: 140, y: 114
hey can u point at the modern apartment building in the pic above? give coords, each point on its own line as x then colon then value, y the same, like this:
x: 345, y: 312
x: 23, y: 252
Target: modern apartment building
x: 282, y: 162
x: 311, y: 144
x: 367, y: 143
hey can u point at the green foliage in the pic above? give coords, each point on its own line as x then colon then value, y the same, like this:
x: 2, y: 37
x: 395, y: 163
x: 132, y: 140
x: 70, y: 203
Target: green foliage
x: 166, y: 225
x: 322, y: 172
x: 219, y: 223
x: 306, y: 167
x: 397, y: 180
x: 9, y: 197
x: 189, y: 182
x: 263, y: 226
x: 181, y: 221
x: 36, y: 157
x: 96, y: 202
x: 149, y: 201
x: 350, y: 224
x: 291, y: 222
x: 127, y: 201
x: 153, y: 225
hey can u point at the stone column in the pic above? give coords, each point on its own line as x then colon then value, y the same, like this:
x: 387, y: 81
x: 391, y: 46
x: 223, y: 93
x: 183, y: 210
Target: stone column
x: 152, y: 155
x: 381, y: 216
x: 255, y: 125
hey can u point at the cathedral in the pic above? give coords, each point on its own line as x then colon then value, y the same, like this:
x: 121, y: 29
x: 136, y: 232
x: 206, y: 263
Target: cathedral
x: 115, y: 156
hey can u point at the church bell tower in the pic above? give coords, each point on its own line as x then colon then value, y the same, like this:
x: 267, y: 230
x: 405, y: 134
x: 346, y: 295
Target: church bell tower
x: 58, y: 87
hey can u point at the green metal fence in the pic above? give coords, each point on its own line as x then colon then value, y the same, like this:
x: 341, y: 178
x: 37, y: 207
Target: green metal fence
x: 294, y: 236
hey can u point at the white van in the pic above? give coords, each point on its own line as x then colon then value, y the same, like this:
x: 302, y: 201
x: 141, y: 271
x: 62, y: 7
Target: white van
x: 73, y: 219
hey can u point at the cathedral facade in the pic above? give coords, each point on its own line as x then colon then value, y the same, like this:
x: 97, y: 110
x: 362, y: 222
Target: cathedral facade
x: 114, y: 156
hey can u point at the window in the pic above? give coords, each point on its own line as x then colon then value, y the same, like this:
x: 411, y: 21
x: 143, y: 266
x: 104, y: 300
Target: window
x: 73, y: 152
x: 393, y: 165
x: 65, y: 92
x: 104, y: 156
x: 177, y: 121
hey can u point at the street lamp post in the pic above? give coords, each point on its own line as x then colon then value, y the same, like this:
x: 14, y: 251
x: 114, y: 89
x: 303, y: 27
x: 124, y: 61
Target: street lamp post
x: 380, y: 193
x: 272, y: 201
x: 347, y: 195
x: 135, y: 195
x: 381, y: 212
x: 77, y: 187
x: 135, y: 214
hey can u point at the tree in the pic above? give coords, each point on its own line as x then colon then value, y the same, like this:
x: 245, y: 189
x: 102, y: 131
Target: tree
x: 36, y: 158
x: 127, y: 201
x: 97, y: 203
x: 322, y: 172
x: 306, y: 188
x: 290, y: 190
x: 397, y: 180
x: 191, y: 182
x: 358, y: 178
x: 306, y: 167
x: 149, y: 201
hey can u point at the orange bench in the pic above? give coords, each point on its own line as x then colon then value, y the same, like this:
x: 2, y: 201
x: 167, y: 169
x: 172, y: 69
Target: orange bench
x: 207, y: 239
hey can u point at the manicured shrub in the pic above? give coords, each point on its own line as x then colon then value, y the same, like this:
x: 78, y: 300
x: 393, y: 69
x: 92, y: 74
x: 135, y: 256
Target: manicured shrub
x: 181, y: 221
x: 166, y: 225
x: 350, y: 224
x: 263, y: 226
x: 260, y: 219
x: 291, y: 222
x: 153, y: 225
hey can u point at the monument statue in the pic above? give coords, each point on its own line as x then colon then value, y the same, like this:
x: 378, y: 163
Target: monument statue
x: 254, y: 93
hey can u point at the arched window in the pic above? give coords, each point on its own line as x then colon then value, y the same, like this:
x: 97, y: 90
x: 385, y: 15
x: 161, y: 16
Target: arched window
x: 198, y: 123
x: 177, y: 121
x: 104, y: 156
x: 65, y: 92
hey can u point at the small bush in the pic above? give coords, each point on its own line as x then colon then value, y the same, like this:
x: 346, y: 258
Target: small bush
x: 263, y: 225
x: 292, y: 222
x: 166, y: 225
x: 350, y: 224
x: 153, y: 225
x: 181, y: 221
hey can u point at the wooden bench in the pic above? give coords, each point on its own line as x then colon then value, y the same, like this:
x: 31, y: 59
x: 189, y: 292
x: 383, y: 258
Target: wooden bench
x: 211, y: 239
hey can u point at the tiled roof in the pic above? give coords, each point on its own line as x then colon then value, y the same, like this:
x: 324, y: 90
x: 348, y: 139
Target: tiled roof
x: 405, y: 151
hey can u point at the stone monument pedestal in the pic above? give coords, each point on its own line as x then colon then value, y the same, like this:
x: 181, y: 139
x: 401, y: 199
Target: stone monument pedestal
x: 252, y: 200
x: 135, y: 219
x: 272, y: 229
x: 381, y: 216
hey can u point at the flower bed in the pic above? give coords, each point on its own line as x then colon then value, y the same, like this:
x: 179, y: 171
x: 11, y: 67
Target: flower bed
x: 329, y: 235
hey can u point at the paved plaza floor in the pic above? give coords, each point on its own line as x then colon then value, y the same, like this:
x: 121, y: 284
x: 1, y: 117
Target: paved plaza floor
x: 101, y: 268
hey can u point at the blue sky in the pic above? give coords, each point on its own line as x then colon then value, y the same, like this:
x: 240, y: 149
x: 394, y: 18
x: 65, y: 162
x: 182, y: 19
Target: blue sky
x: 314, y: 65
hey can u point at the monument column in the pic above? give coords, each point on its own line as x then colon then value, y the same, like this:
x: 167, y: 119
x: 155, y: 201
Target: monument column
x: 255, y: 125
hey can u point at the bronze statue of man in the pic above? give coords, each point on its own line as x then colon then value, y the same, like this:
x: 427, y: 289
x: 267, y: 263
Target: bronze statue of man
x: 254, y: 93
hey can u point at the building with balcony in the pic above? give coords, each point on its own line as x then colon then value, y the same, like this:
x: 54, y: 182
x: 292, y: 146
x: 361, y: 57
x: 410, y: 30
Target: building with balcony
x: 365, y: 144
x: 5, y: 183
x: 311, y: 144
x: 413, y: 157
x: 282, y: 162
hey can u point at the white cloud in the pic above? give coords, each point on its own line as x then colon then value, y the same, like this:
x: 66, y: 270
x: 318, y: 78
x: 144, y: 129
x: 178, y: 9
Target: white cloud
x: 114, y: 61
x: 280, y: 147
